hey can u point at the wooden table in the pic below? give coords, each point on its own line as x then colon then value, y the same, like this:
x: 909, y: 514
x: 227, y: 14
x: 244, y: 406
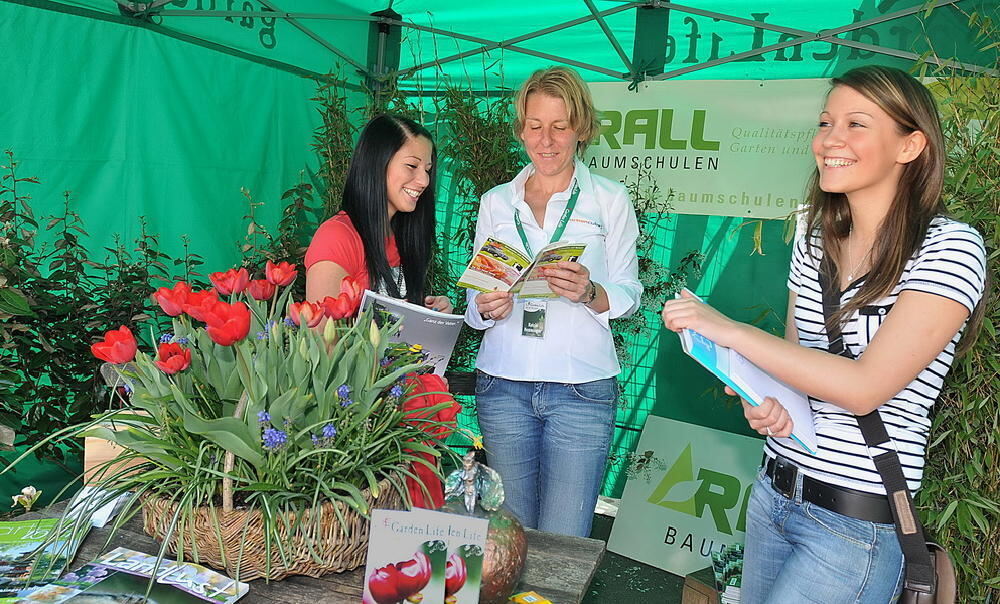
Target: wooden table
x: 559, y: 568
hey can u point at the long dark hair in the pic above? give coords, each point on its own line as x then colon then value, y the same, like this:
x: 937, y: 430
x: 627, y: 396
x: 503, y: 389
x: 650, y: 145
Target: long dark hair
x: 366, y: 202
x: 918, y: 194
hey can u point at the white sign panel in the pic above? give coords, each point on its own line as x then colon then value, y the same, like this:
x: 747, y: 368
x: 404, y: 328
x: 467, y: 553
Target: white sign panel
x: 688, y: 498
x: 723, y: 147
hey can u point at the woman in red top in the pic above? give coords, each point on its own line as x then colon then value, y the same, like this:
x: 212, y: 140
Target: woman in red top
x: 384, y: 234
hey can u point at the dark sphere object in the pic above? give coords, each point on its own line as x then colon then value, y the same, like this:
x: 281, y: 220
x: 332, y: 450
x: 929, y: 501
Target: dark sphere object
x: 505, y: 554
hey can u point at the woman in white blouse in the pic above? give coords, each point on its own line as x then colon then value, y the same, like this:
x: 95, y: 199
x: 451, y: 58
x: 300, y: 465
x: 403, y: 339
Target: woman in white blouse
x: 546, y: 382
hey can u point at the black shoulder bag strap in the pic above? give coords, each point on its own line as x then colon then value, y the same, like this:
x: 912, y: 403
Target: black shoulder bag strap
x: 920, y: 575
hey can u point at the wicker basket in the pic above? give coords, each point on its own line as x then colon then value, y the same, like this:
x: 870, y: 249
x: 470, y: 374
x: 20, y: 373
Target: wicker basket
x: 215, y: 537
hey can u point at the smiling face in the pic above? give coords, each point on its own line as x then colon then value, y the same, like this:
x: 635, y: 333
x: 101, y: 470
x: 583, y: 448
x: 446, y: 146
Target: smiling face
x: 547, y: 135
x: 859, y: 149
x: 408, y: 174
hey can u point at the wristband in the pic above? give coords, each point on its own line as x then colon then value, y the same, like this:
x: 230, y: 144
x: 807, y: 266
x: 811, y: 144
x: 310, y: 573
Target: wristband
x: 593, y: 293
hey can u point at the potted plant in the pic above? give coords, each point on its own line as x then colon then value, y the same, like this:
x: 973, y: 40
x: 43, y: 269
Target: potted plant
x: 258, y: 442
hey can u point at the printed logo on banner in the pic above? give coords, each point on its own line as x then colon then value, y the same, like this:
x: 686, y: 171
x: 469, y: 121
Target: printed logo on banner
x: 719, y: 147
x: 675, y: 519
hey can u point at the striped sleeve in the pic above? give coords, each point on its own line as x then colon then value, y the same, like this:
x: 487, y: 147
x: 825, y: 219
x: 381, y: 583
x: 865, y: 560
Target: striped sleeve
x: 795, y: 269
x: 952, y: 264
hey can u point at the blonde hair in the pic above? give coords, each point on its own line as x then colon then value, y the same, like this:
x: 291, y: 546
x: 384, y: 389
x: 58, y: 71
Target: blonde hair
x: 561, y: 83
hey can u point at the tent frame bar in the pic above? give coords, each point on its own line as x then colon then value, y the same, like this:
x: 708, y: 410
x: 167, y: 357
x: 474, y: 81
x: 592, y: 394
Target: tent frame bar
x: 802, y: 37
x: 610, y: 35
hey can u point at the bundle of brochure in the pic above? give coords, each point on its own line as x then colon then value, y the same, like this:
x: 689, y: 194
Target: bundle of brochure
x: 123, y: 575
x: 29, y: 558
x: 499, y: 266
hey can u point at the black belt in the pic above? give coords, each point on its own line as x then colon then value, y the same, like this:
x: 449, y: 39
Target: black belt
x: 842, y: 500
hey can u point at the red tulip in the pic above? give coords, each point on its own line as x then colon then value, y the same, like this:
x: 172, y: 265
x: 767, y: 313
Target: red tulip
x: 172, y: 358
x: 414, y: 574
x: 227, y: 323
x: 305, y: 314
x: 382, y: 585
x: 455, y: 574
x: 172, y: 300
x: 117, y: 347
x: 281, y: 273
x: 346, y: 303
x: 400, y: 580
x: 232, y: 281
x: 261, y: 289
x: 198, y: 302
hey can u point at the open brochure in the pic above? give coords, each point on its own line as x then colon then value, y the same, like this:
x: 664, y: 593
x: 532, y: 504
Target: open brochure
x: 122, y: 575
x: 436, y: 332
x: 498, y: 266
x: 754, y: 384
x: 21, y: 565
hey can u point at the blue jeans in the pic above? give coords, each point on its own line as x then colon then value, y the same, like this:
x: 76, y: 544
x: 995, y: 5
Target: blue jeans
x: 797, y: 551
x: 549, y: 442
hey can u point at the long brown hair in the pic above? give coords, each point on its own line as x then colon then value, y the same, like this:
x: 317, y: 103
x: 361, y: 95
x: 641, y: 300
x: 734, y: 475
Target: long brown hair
x: 918, y: 193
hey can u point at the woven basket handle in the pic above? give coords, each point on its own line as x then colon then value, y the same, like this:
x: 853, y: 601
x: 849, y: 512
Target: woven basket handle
x: 229, y: 461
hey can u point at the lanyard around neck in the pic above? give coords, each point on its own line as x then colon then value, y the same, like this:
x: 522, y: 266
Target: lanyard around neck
x: 560, y: 227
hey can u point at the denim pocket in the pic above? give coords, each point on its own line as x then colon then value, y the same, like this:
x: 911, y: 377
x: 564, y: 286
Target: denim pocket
x: 598, y: 391
x: 484, y: 382
x: 858, y: 532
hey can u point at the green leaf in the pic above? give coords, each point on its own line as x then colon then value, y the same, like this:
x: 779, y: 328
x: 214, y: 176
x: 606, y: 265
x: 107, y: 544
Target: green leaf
x: 229, y: 433
x: 13, y: 302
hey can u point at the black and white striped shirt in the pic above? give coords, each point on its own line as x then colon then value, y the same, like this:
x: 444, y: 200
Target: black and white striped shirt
x: 950, y: 263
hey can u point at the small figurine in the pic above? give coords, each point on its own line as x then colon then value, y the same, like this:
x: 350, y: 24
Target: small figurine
x: 475, y: 480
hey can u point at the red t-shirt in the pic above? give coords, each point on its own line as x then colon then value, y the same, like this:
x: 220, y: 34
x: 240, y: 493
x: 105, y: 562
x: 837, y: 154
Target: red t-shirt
x: 338, y: 241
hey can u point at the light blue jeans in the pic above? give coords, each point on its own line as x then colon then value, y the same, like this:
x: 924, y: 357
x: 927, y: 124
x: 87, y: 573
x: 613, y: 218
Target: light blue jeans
x: 549, y: 442
x: 797, y: 551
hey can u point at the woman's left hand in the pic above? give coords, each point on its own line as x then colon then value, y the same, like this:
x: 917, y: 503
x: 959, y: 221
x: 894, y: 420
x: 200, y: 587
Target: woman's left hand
x: 571, y: 280
x: 687, y: 312
x: 439, y: 303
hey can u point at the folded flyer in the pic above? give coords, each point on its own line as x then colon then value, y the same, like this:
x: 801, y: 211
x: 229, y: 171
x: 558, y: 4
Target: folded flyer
x: 498, y: 266
x: 436, y: 332
x: 754, y: 384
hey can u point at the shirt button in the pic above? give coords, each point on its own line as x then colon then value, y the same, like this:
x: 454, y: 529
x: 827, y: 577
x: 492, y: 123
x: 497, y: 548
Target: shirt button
x: 881, y: 311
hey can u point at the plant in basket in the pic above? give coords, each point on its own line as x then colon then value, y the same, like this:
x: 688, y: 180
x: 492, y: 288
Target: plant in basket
x: 257, y: 440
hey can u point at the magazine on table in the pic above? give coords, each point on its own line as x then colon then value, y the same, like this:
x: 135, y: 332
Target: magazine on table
x: 753, y: 384
x: 498, y: 266
x: 122, y: 575
x: 22, y: 566
x: 436, y: 332
x: 423, y: 555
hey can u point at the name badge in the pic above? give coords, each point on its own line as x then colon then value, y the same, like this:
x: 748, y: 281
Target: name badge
x: 533, y: 319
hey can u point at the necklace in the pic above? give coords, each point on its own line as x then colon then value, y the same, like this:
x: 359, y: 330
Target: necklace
x: 850, y: 257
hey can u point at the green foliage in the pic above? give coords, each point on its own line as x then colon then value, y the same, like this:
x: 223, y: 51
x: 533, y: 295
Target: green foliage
x: 961, y: 487
x: 659, y: 282
x: 333, y: 142
x: 481, y: 153
x: 54, y: 301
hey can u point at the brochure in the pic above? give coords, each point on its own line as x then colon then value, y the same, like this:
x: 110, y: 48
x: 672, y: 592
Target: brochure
x: 122, y: 575
x: 498, y: 266
x: 753, y: 384
x: 436, y: 332
x: 422, y: 555
x: 19, y: 568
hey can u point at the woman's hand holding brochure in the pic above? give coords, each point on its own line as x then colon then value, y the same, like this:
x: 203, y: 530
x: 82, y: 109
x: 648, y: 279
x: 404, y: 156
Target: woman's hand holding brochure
x: 705, y: 335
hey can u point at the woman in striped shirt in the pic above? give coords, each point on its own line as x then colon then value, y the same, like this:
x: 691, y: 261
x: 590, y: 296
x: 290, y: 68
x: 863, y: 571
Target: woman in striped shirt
x: 909, y: 282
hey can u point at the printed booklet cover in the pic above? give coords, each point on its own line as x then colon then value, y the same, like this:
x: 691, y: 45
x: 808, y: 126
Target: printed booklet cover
x: 18, y: 539
x: 436, y: 332
x: 498, y: 266
x: 427, y: 556
x: 753, y: 384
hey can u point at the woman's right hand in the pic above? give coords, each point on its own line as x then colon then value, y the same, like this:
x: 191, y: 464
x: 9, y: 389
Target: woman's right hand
x: 769, y: 418
x: 495, y: 305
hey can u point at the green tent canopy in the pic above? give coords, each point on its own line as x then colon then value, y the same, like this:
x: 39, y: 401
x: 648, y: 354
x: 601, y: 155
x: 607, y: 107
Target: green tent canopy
x: 170, y: 110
